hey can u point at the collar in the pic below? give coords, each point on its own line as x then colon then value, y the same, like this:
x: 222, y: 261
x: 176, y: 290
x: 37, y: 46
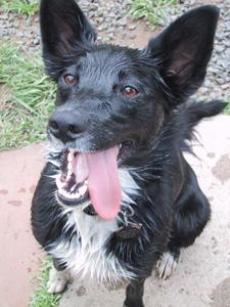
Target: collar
x: 89, y: 210
x: 129, y: 231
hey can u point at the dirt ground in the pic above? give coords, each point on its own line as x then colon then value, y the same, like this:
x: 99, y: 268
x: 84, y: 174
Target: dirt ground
x: 20, y: 253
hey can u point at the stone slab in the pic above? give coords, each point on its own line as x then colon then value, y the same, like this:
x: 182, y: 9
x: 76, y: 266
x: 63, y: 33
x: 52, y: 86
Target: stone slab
x: 20, y: 254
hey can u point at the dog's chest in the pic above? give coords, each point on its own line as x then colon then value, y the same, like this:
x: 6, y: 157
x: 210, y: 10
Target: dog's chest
x: 86, y: 253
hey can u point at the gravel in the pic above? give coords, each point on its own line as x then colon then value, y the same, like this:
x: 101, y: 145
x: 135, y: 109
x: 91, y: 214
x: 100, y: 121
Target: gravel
x: 113, y: 24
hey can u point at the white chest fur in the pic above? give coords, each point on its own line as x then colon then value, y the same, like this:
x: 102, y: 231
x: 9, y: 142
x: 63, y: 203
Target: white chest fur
x: 86, y: 254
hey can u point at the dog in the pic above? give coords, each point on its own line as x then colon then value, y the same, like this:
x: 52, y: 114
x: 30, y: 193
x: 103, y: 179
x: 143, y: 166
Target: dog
x: 116, y: 198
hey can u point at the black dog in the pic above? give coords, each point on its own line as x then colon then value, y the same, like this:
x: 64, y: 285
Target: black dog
x: 116, y: 198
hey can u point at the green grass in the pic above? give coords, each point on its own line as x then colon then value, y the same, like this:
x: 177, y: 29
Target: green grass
x: 227, y: 109
x: 151, y: 10
x: 28, y: 7
x: 41, y: 298
x: 27, y: 97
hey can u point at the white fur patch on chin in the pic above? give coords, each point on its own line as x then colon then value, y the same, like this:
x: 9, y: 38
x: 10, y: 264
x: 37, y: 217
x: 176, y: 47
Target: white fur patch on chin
x: 58, y: 281
x: 166, y: 266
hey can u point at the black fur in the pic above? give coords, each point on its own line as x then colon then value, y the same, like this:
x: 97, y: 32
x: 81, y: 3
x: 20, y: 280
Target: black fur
x: 154, y: 126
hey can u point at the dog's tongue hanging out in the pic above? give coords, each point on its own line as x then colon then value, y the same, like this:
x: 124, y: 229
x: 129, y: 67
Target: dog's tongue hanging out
x: 104, y: 186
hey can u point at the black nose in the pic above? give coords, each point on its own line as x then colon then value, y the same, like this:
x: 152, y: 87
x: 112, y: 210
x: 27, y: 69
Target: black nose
x: 65, y: 125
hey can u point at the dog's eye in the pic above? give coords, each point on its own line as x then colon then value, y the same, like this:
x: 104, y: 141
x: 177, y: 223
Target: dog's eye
x: 69, y: 79
x: 129, y: 91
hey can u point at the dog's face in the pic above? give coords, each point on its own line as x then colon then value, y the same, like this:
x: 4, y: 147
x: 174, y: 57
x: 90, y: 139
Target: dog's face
x: 113, y: 101
x: 111, y: 97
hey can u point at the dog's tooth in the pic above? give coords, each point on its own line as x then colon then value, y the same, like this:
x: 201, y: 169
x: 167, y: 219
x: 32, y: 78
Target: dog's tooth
x: 70, y: 156
x: 69, y: 173
x: 62, y: 178
x: 77, y: 195
x: 60, y: 184
x: 62, y: 187
x: 72, y: 196
x: 67, y: 194
x: 73, y: 188
x: 62, y: 192
x: 83, y: 189
x: 69, y: 167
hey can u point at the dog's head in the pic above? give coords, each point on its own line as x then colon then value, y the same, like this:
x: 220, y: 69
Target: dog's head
x: 112, y: 101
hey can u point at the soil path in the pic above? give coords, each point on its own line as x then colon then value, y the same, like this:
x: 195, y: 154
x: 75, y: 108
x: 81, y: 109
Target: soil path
x: 20, y: 254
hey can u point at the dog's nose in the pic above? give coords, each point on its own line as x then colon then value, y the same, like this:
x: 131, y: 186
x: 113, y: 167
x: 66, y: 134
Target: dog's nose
x: 65, y: 125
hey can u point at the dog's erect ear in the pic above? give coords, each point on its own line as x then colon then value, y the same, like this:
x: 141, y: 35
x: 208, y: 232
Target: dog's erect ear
x: 184, y: 49
x: 64, y: 28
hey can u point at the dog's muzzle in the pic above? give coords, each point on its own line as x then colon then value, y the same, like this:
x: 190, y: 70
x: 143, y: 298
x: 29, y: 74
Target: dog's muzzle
x: 66, y: 125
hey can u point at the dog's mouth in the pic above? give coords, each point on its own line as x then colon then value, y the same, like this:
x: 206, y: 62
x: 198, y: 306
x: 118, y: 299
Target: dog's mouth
x: 91, y: 178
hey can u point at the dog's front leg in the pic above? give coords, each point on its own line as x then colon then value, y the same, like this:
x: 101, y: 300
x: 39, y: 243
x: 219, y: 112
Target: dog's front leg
x: 59, y: 277
x: 134, y: 294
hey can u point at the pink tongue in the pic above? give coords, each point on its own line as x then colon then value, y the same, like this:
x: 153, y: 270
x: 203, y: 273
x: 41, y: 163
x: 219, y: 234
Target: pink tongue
x: 104, y: 187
